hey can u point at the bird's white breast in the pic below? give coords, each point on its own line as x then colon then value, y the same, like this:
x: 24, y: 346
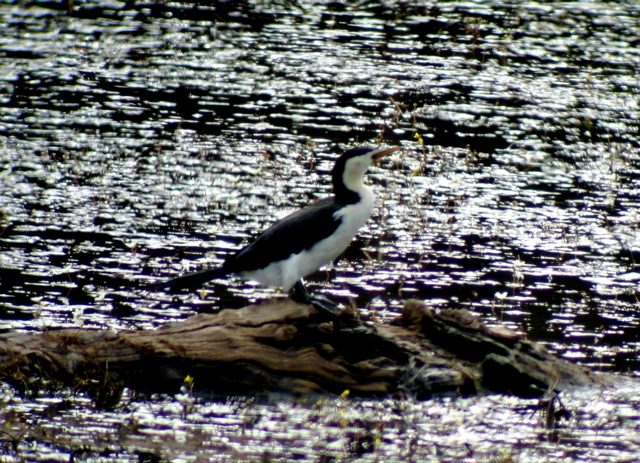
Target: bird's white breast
x: 286, y: 273
x: 352, y: 218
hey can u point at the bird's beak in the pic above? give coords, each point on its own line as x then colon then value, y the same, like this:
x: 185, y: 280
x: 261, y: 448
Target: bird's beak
x: 381, y: 152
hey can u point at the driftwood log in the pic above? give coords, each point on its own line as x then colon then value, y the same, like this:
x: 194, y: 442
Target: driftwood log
x: 283, y: 346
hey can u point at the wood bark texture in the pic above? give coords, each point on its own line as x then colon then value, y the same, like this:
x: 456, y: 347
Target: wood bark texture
x: 282, y: 346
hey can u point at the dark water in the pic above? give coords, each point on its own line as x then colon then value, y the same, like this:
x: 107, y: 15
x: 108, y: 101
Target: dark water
x: 141, y: 141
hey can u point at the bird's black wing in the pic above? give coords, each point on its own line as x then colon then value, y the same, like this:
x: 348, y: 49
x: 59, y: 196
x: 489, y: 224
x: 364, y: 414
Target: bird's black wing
x: 294, y: 233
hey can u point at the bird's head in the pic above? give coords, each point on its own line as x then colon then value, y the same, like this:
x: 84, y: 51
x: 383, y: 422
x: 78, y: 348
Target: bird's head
x: 352, y: 165
x: 368, y: 152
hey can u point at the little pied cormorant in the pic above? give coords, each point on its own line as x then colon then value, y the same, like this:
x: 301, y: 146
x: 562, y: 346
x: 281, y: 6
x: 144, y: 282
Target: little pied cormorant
x: 302, y: 242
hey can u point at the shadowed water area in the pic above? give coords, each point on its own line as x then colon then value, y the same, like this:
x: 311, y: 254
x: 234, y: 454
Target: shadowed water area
x: 140, y: 141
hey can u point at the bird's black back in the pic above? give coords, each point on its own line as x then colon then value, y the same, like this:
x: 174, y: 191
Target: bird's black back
x: 291, y: 235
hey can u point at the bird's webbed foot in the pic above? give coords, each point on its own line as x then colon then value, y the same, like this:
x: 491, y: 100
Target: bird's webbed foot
x: 299, y: 293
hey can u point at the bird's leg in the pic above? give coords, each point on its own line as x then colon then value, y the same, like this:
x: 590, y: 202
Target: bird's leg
x: 300, y: 294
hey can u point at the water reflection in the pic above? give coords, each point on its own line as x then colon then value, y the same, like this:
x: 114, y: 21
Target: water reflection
x: 600, y: 427
x: 140, y: 141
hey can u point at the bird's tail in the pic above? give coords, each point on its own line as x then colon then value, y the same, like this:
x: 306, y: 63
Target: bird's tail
x: 192, y: 280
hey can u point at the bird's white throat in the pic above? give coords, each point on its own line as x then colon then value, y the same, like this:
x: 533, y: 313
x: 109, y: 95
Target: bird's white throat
x: 352, y: 176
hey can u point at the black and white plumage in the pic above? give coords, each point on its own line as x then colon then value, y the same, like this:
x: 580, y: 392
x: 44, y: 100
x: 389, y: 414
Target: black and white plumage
x: 304, y: 241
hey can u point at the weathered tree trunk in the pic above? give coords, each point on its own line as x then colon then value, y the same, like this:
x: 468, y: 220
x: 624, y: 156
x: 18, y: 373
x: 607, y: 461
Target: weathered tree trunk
x: 287, y: 347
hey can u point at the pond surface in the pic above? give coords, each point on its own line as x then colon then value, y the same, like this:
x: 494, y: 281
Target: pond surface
x: 603, y: 428
x: 142, y: 141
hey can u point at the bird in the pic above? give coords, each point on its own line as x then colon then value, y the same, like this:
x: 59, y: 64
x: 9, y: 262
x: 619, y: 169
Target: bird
x: 302, y: 242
